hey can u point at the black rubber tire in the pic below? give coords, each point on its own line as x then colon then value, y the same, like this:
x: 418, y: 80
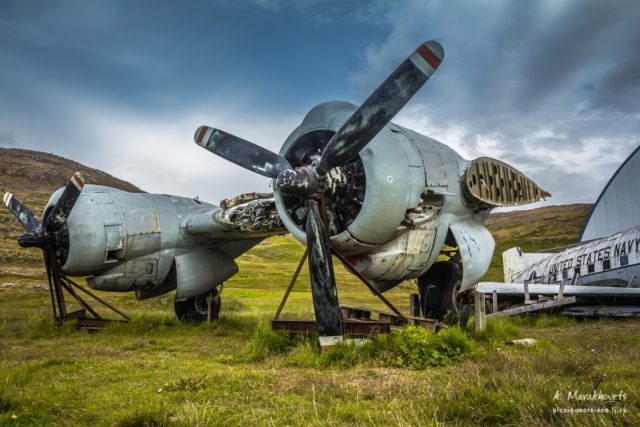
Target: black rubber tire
x: 194, y: 310
x: 439, y: 288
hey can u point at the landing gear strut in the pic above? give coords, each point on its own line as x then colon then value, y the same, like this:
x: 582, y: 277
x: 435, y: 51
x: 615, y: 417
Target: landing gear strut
x: 196, y: 309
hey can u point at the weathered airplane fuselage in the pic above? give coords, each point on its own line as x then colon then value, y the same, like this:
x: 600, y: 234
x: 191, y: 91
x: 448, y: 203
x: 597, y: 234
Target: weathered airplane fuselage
x: 150, y: 243
x: 610, y: 261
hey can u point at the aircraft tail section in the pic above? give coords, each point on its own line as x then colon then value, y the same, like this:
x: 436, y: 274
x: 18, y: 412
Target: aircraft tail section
x: 515, y: 263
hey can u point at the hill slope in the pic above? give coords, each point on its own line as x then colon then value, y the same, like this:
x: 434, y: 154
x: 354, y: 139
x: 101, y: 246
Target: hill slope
x: 34, y: 175
x: 28, y: 170
x: 533, y: 230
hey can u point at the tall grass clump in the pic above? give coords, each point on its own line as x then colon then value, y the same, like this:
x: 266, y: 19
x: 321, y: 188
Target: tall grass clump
x: 411, y: 347
x: 266, y: 342
x: 499, y: 330
x: 416, y: 348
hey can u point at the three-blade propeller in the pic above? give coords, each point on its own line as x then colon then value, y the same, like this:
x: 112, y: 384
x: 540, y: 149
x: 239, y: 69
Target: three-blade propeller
x: 309, y: 181
x: 44, y: 235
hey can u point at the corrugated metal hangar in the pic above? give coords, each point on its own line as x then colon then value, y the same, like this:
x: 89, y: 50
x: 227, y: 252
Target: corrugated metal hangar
x: 618, y: 206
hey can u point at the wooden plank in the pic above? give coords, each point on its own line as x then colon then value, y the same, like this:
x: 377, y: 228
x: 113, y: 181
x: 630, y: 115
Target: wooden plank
x: 480, y: 311
x: 533, y: 307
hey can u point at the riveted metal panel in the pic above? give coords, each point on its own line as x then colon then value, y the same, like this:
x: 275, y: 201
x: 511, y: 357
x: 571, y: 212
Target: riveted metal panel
x: 114, y: 237
x: 111, y: 214
x: 137, y: 273
x: 433, y: 157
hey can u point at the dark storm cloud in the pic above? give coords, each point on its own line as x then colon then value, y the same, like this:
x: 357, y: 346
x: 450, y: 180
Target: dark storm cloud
x: 551, y: 86
x: 547, y: 85
x: 572, y: 47
x: 619, y: 90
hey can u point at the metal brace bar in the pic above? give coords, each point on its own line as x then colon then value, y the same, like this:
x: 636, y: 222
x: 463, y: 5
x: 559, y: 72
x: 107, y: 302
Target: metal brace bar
x: 82, y: 302
x: 369, y: 285
x: 631, y: 281
x: 526, y: 292
x: 561, y: 289
x: 96, y: 297
x: 290, y: 287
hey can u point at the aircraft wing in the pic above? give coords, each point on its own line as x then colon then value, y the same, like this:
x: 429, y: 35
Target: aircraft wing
x: 250, y: 215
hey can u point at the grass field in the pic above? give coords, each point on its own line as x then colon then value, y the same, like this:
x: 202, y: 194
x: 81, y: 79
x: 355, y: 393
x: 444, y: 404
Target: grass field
x: 235, y: 371
x: 156, y: 371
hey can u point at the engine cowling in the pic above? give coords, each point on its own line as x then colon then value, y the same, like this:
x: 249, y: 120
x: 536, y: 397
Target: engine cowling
x: 367, y: 199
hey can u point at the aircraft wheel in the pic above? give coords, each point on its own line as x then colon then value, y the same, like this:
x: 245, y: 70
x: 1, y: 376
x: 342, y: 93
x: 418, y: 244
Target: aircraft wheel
x: 439, y: 288
x: 195, y: 309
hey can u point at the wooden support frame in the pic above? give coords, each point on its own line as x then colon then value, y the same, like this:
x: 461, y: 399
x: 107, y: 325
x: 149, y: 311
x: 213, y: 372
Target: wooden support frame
x: 528, y: 306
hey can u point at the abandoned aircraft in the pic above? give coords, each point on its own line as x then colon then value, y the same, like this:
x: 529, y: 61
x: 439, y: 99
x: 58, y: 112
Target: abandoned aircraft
x: 608, y: 255
x: 148, y: 243
x: 609, y: 261
x: 346, y: 180
x: 384, y: 197
x: 602, y: 270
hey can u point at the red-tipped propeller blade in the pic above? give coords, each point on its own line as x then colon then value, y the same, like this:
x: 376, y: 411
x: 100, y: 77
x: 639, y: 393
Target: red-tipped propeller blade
x: 381, y: 106
x: 241, y: 152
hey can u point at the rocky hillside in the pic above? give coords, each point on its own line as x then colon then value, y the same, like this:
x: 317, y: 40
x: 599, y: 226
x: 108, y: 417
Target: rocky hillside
x: 27, y: 170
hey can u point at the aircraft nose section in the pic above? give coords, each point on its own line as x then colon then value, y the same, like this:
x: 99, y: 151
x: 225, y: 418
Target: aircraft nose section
x: 85, y: 237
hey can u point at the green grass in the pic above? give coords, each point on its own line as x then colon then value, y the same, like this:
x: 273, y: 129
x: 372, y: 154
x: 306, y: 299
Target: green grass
x: 155, y: 370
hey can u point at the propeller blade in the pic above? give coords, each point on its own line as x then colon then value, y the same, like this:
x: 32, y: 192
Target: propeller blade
x: 60, y: 212
x: 381, y: 106
x: 241, y: 152
x: 323, y: 282
x: 24, y: 215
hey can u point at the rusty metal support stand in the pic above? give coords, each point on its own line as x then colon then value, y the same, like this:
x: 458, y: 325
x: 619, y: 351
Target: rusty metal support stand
x: 82, y: 302
x: 372, y: 288
x: 290, y: 287
x: 363, y: 328
x: 96, y: 297
x: 58, y: 283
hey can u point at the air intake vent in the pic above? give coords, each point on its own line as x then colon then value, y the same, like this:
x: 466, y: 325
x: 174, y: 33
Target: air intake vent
x: 497, y: 184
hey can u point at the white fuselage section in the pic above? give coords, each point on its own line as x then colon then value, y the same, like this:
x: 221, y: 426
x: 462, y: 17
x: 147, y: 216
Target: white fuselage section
x: 610, y: 261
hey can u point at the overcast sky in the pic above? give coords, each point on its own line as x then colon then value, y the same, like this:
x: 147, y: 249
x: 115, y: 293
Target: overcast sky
x: 551, y: 87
